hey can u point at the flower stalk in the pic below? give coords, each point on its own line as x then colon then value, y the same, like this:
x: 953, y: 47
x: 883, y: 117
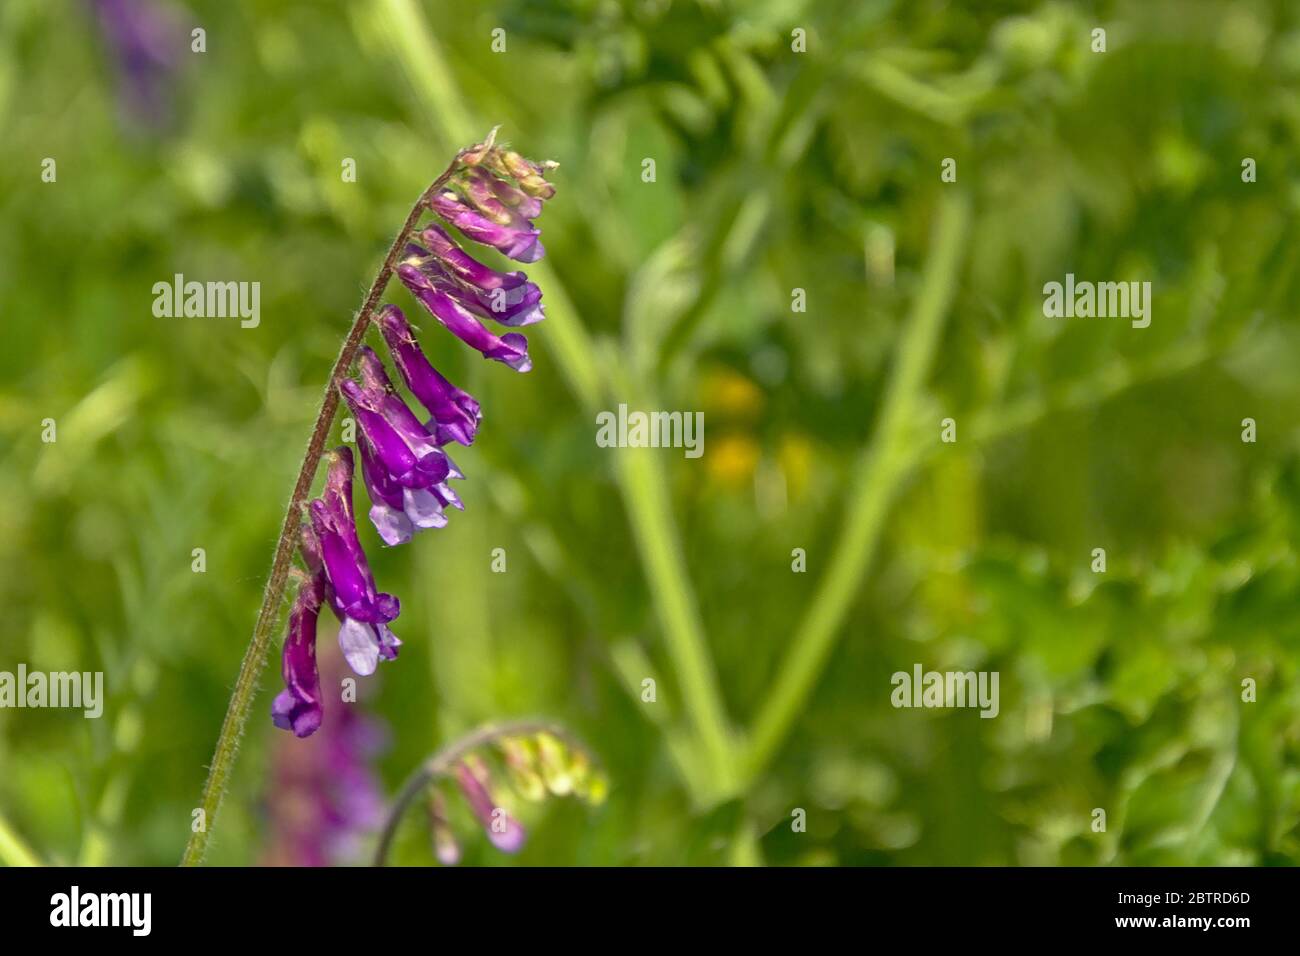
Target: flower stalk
x: 241, y: 699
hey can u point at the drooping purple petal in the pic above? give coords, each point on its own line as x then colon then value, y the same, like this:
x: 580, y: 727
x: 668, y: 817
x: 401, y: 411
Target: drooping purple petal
x: 386, y: 512
x: 446, y: 496
x: 405, y: 447
x: 366, y: 643
x: 464, y: 266
x: 388, y: 642
x: 398, y: 512
x: 298, y: 706
x: 398, y: 460
x: 352, y: 587
x: 455, y: 412
x: 418, y: 438
x: 349, y: 581
x: 423, y: 508
x: 392, y: 524
x: 510, y: 349
x: 360, y: 646
x: 507, y: 232
x: 514, y: 306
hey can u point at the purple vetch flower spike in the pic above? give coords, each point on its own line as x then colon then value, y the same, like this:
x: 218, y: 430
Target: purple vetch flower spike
x: 364, y: 612
x: 510, y: 349
x: 497, y: 226
x: 488, y: 195
x: 506, y: 833
x: 455, y: 412
x: 298, y: 706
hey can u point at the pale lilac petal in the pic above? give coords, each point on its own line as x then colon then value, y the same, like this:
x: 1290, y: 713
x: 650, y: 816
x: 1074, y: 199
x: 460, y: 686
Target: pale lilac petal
x: 422, y: 508
x: 360, y: 646
x: 394, y: 526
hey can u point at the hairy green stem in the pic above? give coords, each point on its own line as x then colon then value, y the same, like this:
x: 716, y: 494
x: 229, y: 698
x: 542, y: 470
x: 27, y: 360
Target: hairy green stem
x: 886, y: 461
x: 241, y: 699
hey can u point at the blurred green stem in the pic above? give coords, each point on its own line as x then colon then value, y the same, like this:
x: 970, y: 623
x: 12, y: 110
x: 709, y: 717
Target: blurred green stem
x: 644, y: 488
x: 241, y: 700
x: 13, y: 851
x: 893, y: 450
x: 408, y: 34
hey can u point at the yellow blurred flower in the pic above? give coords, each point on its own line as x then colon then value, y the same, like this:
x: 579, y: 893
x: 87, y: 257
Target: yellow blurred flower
x: 731, y: 459
x: 729, y: 394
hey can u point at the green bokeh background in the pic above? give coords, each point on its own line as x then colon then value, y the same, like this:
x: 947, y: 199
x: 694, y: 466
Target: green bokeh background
x: 775, y: 170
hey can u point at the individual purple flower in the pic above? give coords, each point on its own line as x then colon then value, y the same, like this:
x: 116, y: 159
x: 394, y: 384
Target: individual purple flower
x: 492, y: 223
x: 507, y: 298
x: 510, y: 349
x: 298, y: 706
x: 407, y: 449
x: 422, y: 441
x: 465, y: 267
x: 397, y: 512
x: 506, y: 833
x: 364, y: 612
x: 403, y: 467
x: 455, y: 413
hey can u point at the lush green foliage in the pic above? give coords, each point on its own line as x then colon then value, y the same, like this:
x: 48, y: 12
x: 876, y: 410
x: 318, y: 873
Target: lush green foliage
x: 775, y: 170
